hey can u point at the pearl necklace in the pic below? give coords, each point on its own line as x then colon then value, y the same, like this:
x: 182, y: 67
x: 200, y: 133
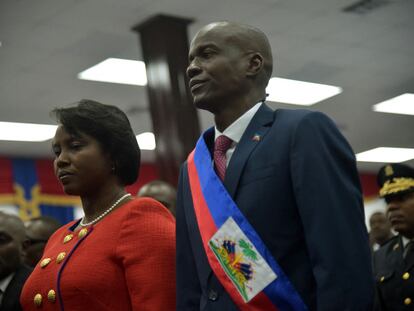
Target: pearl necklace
x: 84, y: 224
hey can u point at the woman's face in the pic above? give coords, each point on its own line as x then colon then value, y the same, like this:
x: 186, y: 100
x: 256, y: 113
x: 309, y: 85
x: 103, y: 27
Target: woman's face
x: 80, y: 163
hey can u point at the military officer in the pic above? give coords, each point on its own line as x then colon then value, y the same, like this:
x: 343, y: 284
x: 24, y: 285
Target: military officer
x: 394, y: 261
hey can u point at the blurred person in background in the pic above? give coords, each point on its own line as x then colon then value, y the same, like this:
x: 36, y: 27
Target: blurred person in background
x: 120, y: 255
x: 38, y: 231
x: 380, y: 231
x: 161, y: 191
x: 394, y: 261
x: 13, y: 273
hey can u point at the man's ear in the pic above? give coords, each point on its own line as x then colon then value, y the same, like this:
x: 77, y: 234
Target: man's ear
x: 255, y: 64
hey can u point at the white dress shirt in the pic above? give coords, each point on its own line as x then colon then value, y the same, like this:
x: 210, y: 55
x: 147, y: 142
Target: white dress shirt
x: 235, y: 130
x: 3, y: 285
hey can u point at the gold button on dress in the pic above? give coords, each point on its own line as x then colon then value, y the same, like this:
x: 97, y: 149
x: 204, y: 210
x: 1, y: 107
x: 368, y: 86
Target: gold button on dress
x: 37, y: 300
x: 60, y: 257
x: 51, y: 296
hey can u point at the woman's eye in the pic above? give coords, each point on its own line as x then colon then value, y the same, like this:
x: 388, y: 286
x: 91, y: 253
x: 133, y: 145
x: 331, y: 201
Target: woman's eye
x: 56, y: 151
x: 76, y: 146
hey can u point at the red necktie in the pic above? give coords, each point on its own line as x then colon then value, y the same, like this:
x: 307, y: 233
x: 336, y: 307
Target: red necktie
x: 221, y: 145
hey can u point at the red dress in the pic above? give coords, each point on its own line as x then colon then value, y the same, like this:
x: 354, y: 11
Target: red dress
x: 124, y: 262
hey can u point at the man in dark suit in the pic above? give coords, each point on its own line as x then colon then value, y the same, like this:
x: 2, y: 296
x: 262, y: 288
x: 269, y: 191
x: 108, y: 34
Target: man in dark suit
x: 394, y: 261
x: 13, y: 273
x: 289, y: 182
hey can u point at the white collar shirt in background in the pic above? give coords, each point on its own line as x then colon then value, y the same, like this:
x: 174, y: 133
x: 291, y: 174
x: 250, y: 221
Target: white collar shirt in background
x: 3, y: 285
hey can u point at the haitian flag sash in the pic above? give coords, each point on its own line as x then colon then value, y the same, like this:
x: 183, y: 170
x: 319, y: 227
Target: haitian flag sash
x: 236, y: 254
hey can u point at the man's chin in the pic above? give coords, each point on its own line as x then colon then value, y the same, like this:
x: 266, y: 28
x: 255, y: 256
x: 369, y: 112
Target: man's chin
x: 202, y: 103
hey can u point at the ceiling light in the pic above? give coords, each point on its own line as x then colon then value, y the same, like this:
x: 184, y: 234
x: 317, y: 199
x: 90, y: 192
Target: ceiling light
x: 299, y: 92
x: 386, y: 155
x: 403, y: 104
x: 116, y: 70
x: 146, y: 141
x: 13, y: 131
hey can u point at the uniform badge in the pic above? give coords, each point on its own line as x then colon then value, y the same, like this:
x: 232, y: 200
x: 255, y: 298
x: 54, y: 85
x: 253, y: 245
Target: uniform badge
x: 388, y: 170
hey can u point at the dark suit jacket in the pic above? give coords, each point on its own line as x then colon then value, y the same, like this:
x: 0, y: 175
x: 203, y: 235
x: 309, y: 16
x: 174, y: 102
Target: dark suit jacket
x: 394, y: 277
x: 11, y: 297
x: 299, y: 188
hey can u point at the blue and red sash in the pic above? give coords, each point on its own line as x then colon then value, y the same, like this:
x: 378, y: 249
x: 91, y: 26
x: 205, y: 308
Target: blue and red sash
x: 214, y: 208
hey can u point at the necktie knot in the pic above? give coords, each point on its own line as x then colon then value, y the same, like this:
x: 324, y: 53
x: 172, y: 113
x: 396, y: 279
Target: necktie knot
x: 221, y: 145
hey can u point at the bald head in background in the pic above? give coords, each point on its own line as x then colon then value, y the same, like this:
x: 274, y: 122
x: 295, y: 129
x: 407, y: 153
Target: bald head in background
x: 38, y: 231
x: 380, y: 231
x: 161, y: 191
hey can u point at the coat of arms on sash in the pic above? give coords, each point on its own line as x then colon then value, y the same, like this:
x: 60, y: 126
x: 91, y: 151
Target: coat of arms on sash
x: 242, y: 263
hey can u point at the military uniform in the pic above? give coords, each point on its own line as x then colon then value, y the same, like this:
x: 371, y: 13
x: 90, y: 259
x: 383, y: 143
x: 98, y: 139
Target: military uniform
x: 393, y: 263
x: 394, y: 276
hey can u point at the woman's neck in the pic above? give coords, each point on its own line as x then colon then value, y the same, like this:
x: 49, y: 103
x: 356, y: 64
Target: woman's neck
x: 97, y: 203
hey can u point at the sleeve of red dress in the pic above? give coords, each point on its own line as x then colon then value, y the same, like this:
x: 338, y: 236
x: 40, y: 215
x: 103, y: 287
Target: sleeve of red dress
x: 147, y: 251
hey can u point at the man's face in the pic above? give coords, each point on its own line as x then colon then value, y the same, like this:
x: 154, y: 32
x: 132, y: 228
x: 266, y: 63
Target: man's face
x: 216, y: 69
x: 37, y: 236
x: 10, y: 248
x: 380, y: 227
x: 401, y: 213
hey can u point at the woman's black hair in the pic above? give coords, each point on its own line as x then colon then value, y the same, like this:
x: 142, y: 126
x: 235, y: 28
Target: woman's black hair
x: 111, y: 128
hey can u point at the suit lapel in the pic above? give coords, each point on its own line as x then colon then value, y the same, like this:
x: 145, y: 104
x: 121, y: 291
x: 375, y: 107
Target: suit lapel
x: 256, y: 130
x: 12, y: 293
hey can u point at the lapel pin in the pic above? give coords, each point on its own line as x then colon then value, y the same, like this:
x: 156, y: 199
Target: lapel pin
x: 256, y: 137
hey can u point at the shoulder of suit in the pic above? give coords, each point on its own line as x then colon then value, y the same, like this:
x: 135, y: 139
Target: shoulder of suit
x: 392, y: 244
x: 297, y: 113
x: 294, y: 117
x: 24, y: 271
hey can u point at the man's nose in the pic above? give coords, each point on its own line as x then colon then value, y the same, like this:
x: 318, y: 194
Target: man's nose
x: 193, y: 69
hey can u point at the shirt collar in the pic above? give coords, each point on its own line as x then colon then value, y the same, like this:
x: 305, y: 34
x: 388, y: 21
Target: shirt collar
x: 236, y: 129
x: 405, y: 241
x: 5, y: 282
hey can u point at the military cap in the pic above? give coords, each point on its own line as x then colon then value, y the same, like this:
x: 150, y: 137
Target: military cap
x: 395, y: 179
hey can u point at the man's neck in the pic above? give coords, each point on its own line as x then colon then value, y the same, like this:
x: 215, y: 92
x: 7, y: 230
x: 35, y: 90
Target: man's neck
x: 224, y: 118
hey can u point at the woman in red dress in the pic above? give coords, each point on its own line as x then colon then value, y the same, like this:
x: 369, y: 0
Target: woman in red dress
x: 121, y: 254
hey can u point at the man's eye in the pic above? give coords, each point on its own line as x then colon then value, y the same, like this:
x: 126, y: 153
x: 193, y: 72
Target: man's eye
x: 4, y: 238
x: 208, y: 54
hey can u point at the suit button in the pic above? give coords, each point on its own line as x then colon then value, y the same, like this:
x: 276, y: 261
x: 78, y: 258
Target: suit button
x: 407, y: 301
x: 60, y: 257
x: 45, y: 262
x: 212, y: 295
x: 37, y: 300
x: 51, y: 296
x: 82, y: 233
x: 67, y: 238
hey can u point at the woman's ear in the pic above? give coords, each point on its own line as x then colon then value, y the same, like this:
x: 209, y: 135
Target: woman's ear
x: 256, y: 62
